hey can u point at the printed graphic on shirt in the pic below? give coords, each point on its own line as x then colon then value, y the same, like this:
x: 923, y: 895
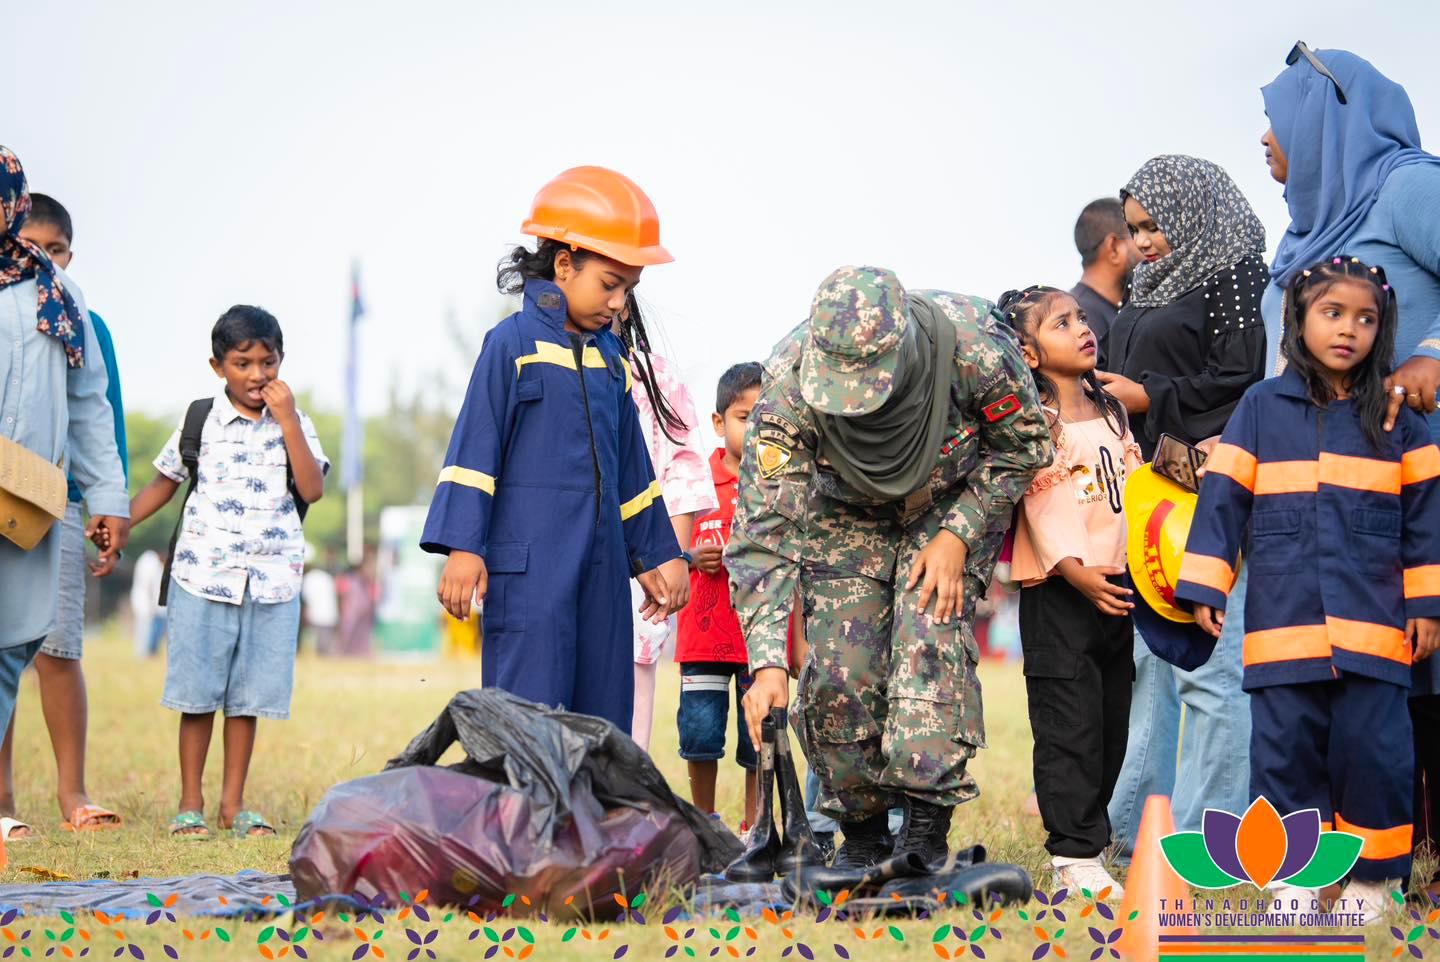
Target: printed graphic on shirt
x: 1103, y: 481
x: 241, y: 530
x: 713, y: 530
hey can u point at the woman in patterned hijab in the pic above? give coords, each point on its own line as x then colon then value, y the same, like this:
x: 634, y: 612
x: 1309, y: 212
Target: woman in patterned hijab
x: 1206, y: 220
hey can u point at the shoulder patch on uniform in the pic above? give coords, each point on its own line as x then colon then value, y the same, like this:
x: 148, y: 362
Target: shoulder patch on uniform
x: 771, y: 457
x: 778, y: 429
x: 1001, y: 409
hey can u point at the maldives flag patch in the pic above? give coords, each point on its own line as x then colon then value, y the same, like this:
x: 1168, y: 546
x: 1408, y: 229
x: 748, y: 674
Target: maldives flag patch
x: 1001, y: 409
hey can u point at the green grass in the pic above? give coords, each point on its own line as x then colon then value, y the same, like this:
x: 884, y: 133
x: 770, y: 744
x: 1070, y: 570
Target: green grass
x: 347, y: 719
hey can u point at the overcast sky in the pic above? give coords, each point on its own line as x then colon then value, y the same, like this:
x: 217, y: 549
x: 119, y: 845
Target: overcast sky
x: 246, y: 154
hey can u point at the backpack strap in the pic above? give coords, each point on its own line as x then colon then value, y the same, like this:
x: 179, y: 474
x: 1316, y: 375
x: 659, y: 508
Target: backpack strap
x: 301, y: 505
x: 190, y: 434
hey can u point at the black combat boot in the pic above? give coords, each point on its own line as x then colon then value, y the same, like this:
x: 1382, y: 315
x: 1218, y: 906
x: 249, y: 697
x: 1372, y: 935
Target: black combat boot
x: 925, y: 831
x: 799, y: 847
x: 757, y: 862
x: 863, y: 864
x: 867, y: 842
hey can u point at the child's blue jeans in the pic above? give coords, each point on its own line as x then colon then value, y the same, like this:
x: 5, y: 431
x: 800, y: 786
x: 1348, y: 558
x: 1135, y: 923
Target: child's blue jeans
x: 1214, y: 751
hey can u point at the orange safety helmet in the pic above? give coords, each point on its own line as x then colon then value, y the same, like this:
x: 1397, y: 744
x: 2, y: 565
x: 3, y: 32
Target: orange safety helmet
x: 602, y: 211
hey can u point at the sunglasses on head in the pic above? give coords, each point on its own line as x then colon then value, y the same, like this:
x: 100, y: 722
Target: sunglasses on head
x: 1301, y: 50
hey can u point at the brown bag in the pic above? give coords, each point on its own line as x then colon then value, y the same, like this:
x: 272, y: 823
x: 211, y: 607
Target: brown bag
x: 32, y: 494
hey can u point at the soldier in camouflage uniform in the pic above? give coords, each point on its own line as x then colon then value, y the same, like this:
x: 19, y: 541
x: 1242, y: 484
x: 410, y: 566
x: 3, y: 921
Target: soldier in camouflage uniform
x: 889, y: 709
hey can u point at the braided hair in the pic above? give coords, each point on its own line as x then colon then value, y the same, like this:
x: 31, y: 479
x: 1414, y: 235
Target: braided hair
x: 637, y: 345
x: 1021, y: 311
x: 1366, y: 379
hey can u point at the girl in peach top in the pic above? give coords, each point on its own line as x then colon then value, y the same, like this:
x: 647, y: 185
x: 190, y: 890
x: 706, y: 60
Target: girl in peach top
x: 1075, y: 628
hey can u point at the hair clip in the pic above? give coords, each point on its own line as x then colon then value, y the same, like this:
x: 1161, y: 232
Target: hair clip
x: 1305, y: 273
x: 1354, y: 260
x: 1336, y: 261
x: 1384, y: 287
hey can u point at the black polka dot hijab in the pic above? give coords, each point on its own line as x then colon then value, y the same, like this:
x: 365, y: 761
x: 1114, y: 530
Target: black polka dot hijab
x: 1207, y: 221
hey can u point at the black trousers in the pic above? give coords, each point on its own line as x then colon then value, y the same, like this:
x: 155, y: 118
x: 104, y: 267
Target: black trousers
x: 1425, y: 716
x: 1079, y: 668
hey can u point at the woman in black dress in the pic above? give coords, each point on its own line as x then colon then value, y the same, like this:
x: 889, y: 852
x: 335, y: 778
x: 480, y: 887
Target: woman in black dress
x: 1190, y: 340
x: 1182, y: 352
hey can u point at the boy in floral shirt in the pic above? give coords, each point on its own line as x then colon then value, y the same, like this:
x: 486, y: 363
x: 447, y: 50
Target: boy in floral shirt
x: 234, y: 602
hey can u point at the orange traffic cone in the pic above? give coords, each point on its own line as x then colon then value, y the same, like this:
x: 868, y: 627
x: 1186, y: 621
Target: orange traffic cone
x: 1150, y: 880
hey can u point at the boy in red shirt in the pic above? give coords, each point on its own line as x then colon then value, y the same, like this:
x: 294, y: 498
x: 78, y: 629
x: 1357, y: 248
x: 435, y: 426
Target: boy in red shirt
x: 710, y: 648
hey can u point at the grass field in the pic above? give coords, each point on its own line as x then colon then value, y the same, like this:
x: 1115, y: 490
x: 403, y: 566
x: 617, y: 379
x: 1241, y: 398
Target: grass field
x: 347, y: 719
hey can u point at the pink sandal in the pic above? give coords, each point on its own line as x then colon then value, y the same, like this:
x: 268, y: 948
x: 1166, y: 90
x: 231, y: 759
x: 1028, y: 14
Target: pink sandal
x: 92, y: 818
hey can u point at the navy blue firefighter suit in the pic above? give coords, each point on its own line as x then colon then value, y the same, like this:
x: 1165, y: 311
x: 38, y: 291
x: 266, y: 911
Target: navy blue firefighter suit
x: 548, y: 478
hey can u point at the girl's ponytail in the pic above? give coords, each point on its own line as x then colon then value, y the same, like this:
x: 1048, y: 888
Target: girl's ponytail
x: 637, y: 345
x: 523, y: 264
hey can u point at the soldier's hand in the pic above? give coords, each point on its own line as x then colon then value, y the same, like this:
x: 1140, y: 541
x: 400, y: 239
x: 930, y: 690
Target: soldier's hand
x: 463, y: 581
x: 941, y: 564
x: 770, y: 689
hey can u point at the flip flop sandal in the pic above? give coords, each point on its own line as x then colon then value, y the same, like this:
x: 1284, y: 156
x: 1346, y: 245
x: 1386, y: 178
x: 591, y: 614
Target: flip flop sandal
x: 190, y: 826
x: 9, y: 825
x: 92, y: 818
x: 247, y: 821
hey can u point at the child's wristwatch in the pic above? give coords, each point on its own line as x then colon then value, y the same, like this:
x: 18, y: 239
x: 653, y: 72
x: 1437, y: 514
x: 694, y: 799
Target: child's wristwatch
x: 687, y: 557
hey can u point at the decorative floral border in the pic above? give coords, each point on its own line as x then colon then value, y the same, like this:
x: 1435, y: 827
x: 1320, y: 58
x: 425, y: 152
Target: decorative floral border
x: 1060, y: 924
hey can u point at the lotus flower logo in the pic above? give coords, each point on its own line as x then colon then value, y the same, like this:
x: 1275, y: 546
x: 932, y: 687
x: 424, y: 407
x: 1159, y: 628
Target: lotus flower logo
x: 1261, y: 848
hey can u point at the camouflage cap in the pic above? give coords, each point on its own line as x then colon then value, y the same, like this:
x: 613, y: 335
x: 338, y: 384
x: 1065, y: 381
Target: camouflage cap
x: 857, y: 321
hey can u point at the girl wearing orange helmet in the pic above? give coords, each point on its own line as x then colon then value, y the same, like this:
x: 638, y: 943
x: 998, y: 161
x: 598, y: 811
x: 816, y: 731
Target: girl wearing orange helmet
x: 547, y: 504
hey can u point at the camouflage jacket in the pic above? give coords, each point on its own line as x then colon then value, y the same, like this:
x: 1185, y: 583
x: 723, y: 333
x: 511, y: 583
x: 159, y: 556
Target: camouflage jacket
x: 794, y: 509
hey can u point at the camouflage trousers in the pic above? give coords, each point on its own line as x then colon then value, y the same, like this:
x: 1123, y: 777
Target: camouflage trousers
x: 888, y: 702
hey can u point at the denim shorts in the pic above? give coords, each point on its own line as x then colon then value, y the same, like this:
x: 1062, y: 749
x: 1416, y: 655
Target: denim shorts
x: 67, y: 639
x: 13, y: 662
x: 240, y: 658
x: 704, y: 705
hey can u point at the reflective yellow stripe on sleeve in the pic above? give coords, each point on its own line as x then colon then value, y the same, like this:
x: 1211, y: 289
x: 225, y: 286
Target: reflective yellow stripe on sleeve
x: 640, y: 502
x: 559, y: 355
x: 470, y: 479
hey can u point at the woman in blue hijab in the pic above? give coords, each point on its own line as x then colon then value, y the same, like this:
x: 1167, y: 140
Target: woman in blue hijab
x: 1344, y: 142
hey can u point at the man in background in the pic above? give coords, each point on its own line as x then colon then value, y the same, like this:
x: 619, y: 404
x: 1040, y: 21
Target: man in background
x: 1107, y: 256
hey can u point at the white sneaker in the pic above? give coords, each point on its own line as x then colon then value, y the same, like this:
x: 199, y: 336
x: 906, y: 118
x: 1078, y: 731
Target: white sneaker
x: 1375, y: 897
x: 1086, y: 873
x: 1293, y: 898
